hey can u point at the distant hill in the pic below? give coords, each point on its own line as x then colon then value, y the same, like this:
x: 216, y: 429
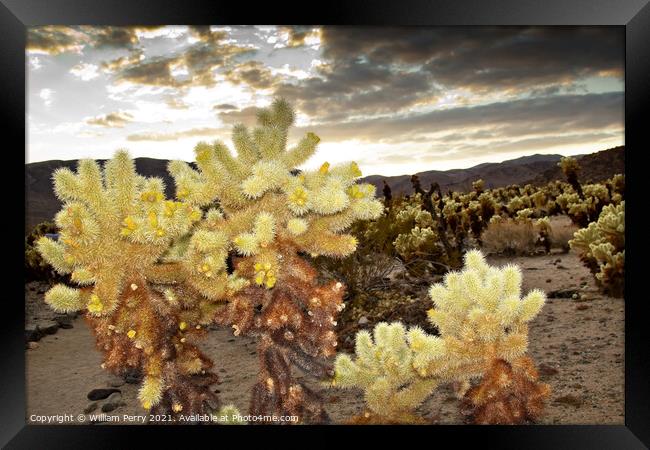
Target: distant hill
x: 594, y: 167
x: 42, y: 204
x: 513, y: 171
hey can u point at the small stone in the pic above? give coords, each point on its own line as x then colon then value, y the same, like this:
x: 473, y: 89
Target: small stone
x: 100, y: 394
x: 115, y: 397
x: 33, y: 333
x: 32, y: 345
x: 64, y: 322
x: 48, y: 327
x: 547, y: 370
x: 90, y: 408
x: 363, y: 320
x: 572, y: 400
x: 582, y: 307
x: 108, y: 407
x: 562, y: 293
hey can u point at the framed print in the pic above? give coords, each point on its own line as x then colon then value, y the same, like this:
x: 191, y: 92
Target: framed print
x: 378, y: 216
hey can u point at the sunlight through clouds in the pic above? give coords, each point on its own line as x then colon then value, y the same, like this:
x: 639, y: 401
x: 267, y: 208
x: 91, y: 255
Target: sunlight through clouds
x: 397, y: 100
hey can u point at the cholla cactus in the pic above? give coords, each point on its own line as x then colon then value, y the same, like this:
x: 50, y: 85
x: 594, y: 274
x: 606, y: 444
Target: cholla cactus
x: 154, y: 272
x: 482, y: 321
x: 114, y: 226
x: 570, y: 168
x: 602, y: 248
x: 478, y: 186
x: 271, y: 213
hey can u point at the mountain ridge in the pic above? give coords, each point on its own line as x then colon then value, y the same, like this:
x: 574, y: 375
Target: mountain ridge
x: 42, y: 204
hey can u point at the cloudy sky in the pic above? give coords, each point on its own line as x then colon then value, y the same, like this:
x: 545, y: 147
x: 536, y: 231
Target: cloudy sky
x: 396, y: 100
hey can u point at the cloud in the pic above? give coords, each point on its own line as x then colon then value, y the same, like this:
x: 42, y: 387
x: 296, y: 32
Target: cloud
x: 246, y: 116
x: 194, y: 65
x: 176, y: 103
x: 34, y: 62
x: 176, y: 135
x: 377, y: 70
x: 115, y: 37
x: 553, y: 115
x: 47, y: 96
x: 112, y: 120
x: 296, y: 36
x: 54, y: 39
x: 223, y: 107
x: 85, y: 71
x: 254, y: 74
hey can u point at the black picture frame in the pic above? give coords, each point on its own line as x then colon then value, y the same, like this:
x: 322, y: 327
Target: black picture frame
x: 634, y: 15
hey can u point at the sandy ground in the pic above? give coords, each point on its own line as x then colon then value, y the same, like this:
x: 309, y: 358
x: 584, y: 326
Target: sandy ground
x: 578, y: 344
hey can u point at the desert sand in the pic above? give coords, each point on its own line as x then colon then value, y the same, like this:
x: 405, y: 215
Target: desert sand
x: 577, y: 342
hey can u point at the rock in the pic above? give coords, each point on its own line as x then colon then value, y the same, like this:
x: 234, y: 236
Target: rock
x: 32, y: 333
x: 32, y: 345
x: 100, y: 394
x: 90, y: 408
x: 572, y: 400
x: 115, y: 381
x: 547, y: 370
x: 108, y: 407
x: 363, y: 320
x: 562, y: 293
x: 582, y: 307
x: 48, y: 327
x: 64, y: 322
x: 115, y: 397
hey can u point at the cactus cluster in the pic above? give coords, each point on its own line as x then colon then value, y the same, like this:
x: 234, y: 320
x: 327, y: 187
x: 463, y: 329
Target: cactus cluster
x: 153, y: 273
x: 602, y: 248
x: 482, y: 322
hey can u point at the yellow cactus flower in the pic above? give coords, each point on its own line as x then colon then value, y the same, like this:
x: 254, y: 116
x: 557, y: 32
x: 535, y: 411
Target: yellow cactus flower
x: 259, y: 278
x: 95, y: 304
x: 355, y: 169
x: 151, y: 196
x: 182, y: 193
x: 182, y: 326
x: 298, y: 196
x: 131, y: 334
x: 324, y: 168
x: 130, y: 223
x: 170, y: 208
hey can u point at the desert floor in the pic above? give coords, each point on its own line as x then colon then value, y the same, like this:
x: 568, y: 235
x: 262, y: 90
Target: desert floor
x: 577, y: 344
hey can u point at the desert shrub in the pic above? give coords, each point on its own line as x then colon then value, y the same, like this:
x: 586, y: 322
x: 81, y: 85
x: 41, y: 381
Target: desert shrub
x: 561, y: 234
x: 602, y: 248
x: 37, y: 268
x: 362, y: 272
x: 510, y: 237
x: 483, y: 337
